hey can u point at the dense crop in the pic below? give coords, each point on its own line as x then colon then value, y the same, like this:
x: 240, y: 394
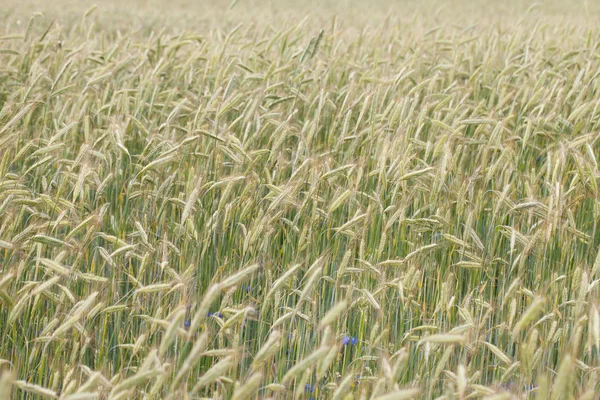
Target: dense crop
x: 310, y: 210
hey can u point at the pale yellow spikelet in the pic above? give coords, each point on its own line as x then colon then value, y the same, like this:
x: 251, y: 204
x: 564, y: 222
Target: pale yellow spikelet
x: 55, y: 267
x: 513, y: 312
x: 171, y: 332
x: 419, y: 251
x: 333, y: 314
x: 209, y: 297
x: 326, y: 362
x: 155, y: 288
x: 83, y: 396
x: 443, y: 339
x: 249, y: 388
x: 218, y: 353
x: 499, y: 396
x: 282, y: 319
x: 269, y: 348
x: 46, y: 285
x: 594, y: 327
x: 482, y: 390
x: 283, y: 279
x: 215, y: 372
x: 76, y: 314
x: 139, y: 343
x: 304, y: 364
x: 532, y: 311
x: 136, y: 380
x: 371, y: 300
x: 461, y: 381
x: 343, y: 387
x: 499, y: 353
x: 188, y: 363
x: 276, y: 387
x: 36, y: 389
x: 239, y: 277
x: 93, y: 381
x: 404, y: 394
x: 508, y: 293
x: 312, y: 281
x: 335, y: 204
x: 189, y: 205
x: 401, y: 362
x: 6, y: 383
x: 563, y: 380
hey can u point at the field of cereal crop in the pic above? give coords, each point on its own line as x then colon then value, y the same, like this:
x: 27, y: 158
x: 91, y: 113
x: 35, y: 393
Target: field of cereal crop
x: 257, y: 199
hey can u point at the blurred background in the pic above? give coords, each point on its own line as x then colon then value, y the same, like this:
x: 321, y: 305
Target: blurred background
x: 179, y: 15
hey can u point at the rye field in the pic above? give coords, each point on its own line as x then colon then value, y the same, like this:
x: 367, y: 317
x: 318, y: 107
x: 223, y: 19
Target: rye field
x: 261, y: 199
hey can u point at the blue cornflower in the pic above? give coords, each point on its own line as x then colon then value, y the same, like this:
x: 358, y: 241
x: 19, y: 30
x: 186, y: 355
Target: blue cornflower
x: 309, y: 388
x: 349, y: 340
x: 187, y: 324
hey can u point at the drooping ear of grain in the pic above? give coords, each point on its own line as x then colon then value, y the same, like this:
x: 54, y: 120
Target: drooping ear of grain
x: 216, y: 371
x: 268, y: 349
x: 203, y: 309
x: 6, y: 383
x: 343, y: 388
x: 404, y: 394
x: 562, y: 382
x: 36, y: 390
x: 198, y: 348
x: 303, y: 364
x: 249, y: 388
x: 239, y: 277
x: 171, y: 332
x: 528, y: 315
